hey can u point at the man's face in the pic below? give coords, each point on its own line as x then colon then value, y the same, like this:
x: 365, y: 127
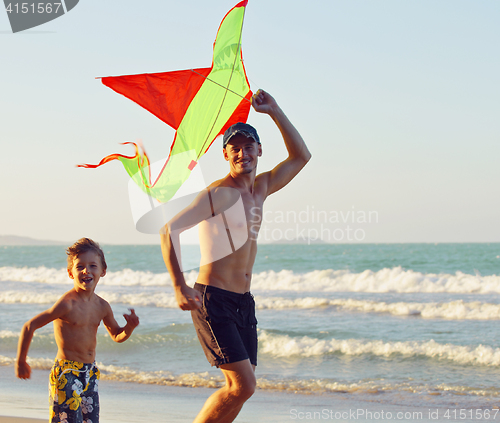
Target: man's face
x: 242, y: 153
x: 86, y: 271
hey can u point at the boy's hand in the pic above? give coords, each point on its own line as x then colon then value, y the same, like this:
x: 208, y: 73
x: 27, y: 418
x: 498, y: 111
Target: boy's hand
x: 23, y: 370
x: 132, y: 318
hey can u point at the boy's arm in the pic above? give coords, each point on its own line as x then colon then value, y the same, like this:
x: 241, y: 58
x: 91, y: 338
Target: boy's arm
x: 298, y: 154
x: 59, y: 309
x: 118, y: 333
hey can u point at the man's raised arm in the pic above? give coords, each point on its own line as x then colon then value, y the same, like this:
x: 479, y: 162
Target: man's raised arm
x: 298, y: 154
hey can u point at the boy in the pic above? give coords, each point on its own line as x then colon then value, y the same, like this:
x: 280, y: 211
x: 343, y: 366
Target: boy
x: 76, y: 316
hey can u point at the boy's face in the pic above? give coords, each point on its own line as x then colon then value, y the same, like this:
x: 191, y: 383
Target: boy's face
x: 86, y: 271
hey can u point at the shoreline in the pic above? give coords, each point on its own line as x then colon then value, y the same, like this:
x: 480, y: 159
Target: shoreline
x: 127, y: 402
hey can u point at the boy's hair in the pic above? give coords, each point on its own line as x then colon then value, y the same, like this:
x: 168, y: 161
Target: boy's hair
x: 82, y: 246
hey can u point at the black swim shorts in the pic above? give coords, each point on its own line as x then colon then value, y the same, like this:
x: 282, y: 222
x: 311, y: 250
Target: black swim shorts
x: 226, y: 325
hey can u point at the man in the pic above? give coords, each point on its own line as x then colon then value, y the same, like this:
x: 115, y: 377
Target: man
x: 230, y: 214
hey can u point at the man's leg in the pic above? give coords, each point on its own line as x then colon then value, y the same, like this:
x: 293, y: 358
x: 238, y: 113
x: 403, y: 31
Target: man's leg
x: 224, y: 405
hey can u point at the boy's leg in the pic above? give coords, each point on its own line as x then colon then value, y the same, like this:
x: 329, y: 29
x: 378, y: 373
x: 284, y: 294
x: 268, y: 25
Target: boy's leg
x: 224, y: 405
x: 90, y: 397
x: 54, y: 393
x: 69, y: 383
x: 64, y: 400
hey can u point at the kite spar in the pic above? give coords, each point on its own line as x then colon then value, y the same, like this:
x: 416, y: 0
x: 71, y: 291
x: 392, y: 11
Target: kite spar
x: 199, y: 104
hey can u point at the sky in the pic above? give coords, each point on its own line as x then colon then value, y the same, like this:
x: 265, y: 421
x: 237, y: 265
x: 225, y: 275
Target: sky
x: 398, y: 102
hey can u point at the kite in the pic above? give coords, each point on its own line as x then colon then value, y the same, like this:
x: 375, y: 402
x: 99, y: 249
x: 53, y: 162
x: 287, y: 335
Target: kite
x: 200, y: 104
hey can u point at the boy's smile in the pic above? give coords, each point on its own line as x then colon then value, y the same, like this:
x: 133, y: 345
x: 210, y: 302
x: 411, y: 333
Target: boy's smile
x: 86, y: 271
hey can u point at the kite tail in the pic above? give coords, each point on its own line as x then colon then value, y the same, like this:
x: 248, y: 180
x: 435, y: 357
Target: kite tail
x: 137, y: 166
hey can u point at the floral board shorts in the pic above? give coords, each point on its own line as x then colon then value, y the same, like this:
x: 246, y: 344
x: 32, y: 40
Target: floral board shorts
x: 73, y: 395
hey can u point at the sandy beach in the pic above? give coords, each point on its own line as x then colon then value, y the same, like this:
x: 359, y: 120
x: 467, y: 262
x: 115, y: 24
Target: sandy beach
x: 26, y: 402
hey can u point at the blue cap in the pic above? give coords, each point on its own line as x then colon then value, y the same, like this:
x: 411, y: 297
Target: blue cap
x: 240, y: 128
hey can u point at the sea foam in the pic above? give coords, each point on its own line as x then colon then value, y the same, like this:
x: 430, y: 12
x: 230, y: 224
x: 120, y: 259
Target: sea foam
x: 164, y: 298
x: 286, y: 346
x: 452, y: 310
x: 304, y: 386
x: 395, y: 279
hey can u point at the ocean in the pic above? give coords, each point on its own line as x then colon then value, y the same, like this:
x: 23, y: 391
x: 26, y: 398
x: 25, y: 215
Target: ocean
x: 402, y: 325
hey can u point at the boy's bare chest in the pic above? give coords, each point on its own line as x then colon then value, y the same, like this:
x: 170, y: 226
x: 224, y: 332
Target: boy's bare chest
x: 84, y: 315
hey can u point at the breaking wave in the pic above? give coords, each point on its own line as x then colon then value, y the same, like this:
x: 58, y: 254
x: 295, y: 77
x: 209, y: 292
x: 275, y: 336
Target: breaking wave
x: 287, y: 346
x: 394, y: 279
